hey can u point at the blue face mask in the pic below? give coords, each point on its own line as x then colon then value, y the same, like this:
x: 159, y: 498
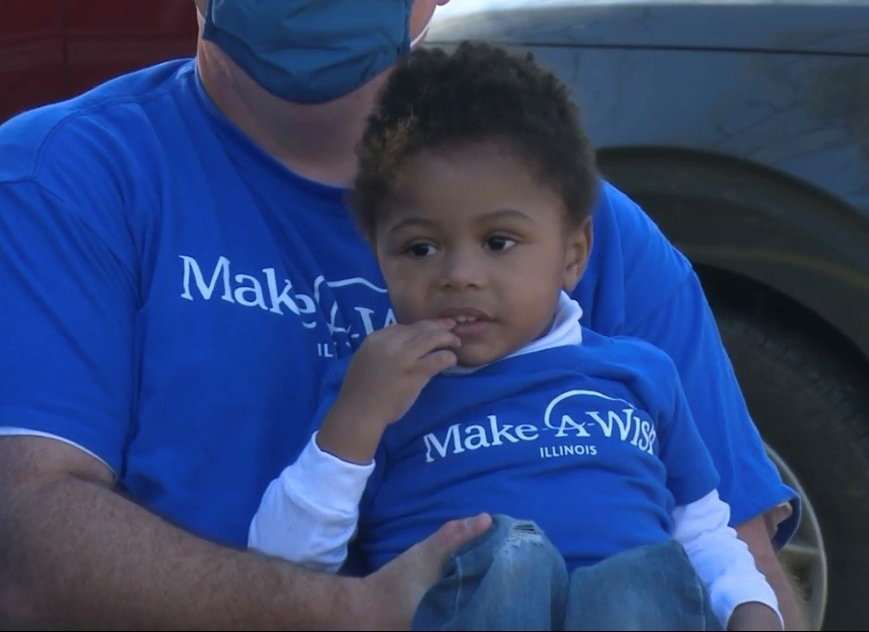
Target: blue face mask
x: 310, y: 51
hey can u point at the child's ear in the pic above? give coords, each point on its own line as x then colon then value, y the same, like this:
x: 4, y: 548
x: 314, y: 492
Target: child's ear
x: 579, y: 241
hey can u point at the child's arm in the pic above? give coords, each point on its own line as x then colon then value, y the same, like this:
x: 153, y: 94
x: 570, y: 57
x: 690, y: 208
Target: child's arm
x: 754, y: 616
x: 741, y: 597
x: 309, y: 513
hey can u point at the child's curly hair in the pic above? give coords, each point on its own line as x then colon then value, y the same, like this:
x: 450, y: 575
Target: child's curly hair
x: 478, y: 93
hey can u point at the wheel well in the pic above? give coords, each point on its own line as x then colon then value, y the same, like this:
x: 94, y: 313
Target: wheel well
x: 701, y: 181
x: 735, y: 292
x: 798, y: 247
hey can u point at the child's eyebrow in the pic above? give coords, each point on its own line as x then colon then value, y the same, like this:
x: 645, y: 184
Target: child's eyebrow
x: 506, y: 213
x: 411, y: 221
x: 501, y: 213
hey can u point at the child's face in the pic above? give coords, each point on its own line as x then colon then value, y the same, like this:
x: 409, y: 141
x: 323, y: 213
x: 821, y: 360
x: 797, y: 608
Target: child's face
x: 472, y: 235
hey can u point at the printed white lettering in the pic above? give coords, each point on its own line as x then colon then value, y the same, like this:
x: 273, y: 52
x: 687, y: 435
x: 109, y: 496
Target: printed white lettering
x: 579, y: 449
x: 221, y: 271
x: 636, y: 436
x: 318, y: 308
x: 284, y: 297
x: 649, y: 435
x: 255, y: 288
x: 368, y: 322
x: 365, y: 314
x: 476, y: 437
x: 431, y: 441
x: 567, y: 421
x: 613, y: 417
x: 619, y: 424
x: 500, y: 432
x: 527, y: 432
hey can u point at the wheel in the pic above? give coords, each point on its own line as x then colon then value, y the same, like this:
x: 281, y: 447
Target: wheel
x: 813, y: 412
x: 804, y: 556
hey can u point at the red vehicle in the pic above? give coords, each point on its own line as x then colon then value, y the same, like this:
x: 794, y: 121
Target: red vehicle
x: 54, y: 49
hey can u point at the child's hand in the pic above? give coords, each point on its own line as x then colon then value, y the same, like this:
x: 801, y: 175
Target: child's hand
x: 383, y: 380
x: 393, y: 365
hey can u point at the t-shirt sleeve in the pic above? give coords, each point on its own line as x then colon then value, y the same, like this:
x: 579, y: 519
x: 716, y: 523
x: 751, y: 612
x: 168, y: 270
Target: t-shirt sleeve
x: 660, y: 300
x: 690, y: 471
x: 684, y: 328
x: 66, y: 328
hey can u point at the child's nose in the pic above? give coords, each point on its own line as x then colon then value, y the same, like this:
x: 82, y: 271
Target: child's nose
x: 461, y: 268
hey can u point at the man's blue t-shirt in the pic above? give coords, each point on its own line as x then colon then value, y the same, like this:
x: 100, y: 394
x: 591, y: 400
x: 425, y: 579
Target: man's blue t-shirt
x: 172, y: 297
x: 594, y: 442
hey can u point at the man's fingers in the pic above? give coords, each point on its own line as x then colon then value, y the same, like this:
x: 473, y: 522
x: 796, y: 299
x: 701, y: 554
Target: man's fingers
x: 407, y: 578
x: 455, y: 534
x: 434, y: 551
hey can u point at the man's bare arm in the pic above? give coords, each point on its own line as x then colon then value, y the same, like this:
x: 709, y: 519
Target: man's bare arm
x: 74, y: 553
x: 757, y: 534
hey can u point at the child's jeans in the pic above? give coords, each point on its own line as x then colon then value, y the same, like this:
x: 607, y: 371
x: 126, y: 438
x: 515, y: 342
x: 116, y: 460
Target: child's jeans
x: 512, y: 578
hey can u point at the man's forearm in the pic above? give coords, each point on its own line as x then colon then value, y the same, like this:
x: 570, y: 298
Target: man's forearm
x: 789, y: 605
x: 758, y: 538
x: 76, y: 554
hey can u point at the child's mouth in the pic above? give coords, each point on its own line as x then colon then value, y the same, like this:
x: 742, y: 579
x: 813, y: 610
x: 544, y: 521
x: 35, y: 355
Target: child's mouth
x: 464, y: 318
x: 470, y: 322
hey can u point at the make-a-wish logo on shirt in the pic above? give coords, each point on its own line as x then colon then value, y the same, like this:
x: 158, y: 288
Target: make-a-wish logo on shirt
x: 363, y: 305
x: 620, y: 416
x: 581, y: 416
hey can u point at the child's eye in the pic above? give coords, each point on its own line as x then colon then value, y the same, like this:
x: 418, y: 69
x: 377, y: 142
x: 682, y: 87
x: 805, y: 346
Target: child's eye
x: 499, y: 242
x: 421, y: 249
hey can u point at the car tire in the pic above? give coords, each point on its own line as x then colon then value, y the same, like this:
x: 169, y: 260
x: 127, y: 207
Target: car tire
x: 812, y: 410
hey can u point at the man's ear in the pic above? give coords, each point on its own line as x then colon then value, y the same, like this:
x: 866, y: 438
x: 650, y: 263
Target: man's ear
x: 579, y: 242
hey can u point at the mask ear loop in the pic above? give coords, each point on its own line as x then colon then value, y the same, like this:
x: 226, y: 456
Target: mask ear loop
x: 416, y: 40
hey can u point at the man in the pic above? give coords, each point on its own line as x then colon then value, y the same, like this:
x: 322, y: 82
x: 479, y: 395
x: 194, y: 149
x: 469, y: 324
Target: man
x: 179, y: 271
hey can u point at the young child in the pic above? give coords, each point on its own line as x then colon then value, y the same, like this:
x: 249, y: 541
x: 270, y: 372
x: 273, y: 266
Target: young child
x: 475, y: 186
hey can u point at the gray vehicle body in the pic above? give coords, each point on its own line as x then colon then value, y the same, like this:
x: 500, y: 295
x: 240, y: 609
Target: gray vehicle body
x: 741, y: 127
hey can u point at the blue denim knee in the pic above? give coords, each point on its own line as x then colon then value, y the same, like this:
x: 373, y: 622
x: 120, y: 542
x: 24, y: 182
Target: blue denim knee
x: 510, y: 578
x: 653, y: 587
x: 513, y: 578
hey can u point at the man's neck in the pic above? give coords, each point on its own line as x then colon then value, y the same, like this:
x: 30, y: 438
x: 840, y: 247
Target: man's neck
x: 316, y: 142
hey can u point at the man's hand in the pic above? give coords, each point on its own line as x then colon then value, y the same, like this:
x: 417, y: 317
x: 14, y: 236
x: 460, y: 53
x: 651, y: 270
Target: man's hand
x: 383, y: 380
x: 757, y: 534
x: 394, y: 591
